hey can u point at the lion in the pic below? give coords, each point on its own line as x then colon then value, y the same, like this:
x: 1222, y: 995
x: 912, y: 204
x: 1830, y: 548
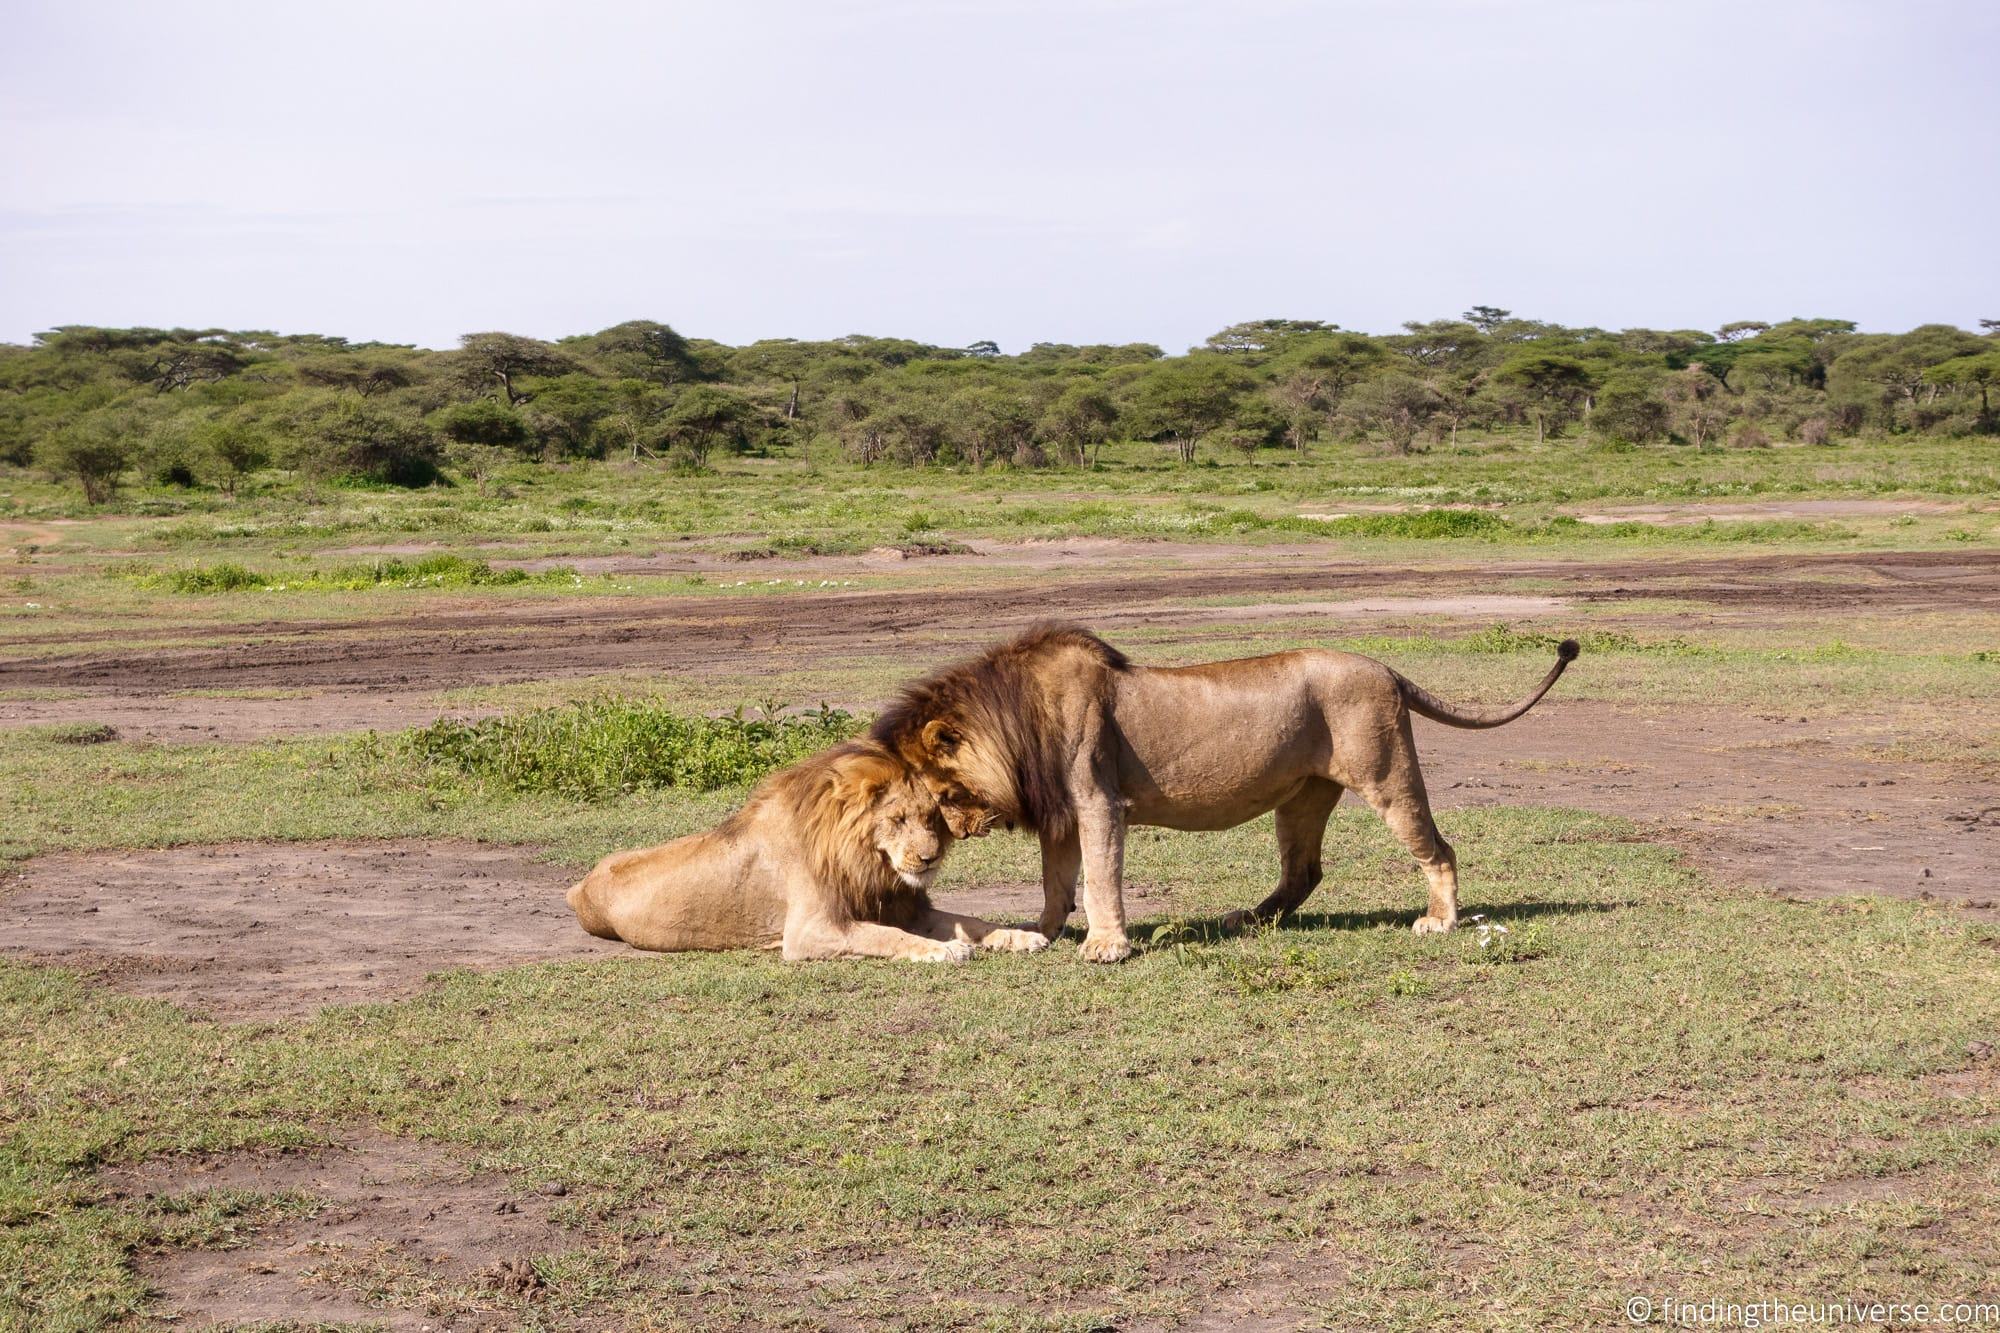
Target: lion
x: 832, y: 857
x: 1059, y: 732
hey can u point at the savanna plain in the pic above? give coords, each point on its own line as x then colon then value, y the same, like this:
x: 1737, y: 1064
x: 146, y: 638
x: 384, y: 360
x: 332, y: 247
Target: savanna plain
x: 295, y: 1030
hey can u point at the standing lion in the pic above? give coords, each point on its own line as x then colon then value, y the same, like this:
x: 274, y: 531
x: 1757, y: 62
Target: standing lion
x: 832, y: 857
x: 1059, y: 732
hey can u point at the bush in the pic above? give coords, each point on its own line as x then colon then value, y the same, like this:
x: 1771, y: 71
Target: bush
x: 482, y: 421
x: 596, y: 750
x: 1422, y: 524
x: 339, y: 438
x: 93, y: 452
x: 432, y: 571
x: 1751, y: 437
x: 1632, y: 413
x: 214, y: 578
x: 1813, y: 430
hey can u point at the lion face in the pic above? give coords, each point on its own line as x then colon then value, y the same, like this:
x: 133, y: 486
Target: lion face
x: 909, y: 830
x: 959, y: 774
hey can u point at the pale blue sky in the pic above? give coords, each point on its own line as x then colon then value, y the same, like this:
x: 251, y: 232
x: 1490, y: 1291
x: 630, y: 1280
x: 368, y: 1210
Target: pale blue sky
x: 1083, y: 171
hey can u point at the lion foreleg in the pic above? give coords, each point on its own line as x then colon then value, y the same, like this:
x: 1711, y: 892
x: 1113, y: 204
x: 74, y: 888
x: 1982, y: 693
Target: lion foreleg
x: 980, y: 934
x: 1062, y: 859
x: 1101, y: 828
x: 815, y: 937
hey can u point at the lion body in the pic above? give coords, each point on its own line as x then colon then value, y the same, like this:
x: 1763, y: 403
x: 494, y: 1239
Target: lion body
x: 1059, y: 732
x: 831, y: 857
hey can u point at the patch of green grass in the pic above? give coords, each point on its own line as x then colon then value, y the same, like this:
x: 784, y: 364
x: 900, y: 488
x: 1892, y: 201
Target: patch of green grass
x: 431, y: 571
x: 598, y: 749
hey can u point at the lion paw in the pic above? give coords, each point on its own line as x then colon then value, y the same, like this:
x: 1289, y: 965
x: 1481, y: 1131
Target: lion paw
x: 1431, y: 925
x: 1012, y: 940
x: 1105, y: 949
x: 946, y: 951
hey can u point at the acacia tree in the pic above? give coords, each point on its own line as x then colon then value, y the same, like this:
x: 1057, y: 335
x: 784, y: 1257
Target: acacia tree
x: 1181, y: 401
x: 231, y: 451
x: 1265, y: 337
x: 1553, y: 386
x: 992, y: 421
x: 93, y: 450
x: 1455, y: 393
x: 705, y: 416
x: 1395, y: 405
x: 1980, y: 371
x: 484, y: 358
x: 641, y: 349
x: 356, y: 373
x: 1313, y: 377
x: 1077, y: 421
x: 1695, y: 399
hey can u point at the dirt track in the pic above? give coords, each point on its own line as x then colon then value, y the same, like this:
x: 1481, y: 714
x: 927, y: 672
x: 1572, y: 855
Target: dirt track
x: 487, y: 643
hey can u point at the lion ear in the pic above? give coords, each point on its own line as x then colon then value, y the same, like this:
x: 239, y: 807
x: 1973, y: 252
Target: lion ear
x: 939, y: 736
x: 859, y: 788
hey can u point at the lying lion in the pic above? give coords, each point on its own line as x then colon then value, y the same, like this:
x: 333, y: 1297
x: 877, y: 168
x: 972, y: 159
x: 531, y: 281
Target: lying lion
x: 830, y: 858
x: 1059, y: 732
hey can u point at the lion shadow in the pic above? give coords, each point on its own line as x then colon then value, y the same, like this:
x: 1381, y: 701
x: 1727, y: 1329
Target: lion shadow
x: 1209, y: 930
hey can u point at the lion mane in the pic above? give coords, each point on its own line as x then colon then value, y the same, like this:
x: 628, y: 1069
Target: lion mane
x: 1001, y: 713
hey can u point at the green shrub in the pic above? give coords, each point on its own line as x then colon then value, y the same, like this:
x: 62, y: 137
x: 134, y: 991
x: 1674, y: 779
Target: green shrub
x: 432, y: 571
x: 1421, y: 524
x: 214, y: 578
x: 595, y: 750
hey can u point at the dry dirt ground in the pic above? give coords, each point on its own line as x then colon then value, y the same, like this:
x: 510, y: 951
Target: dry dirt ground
x: 483, y: 642
x: 463, y: 1237
x: 274, y: 930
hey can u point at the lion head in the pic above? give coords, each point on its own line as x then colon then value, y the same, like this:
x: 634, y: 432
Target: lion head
x: 983, y: 734
x: 871, y: 828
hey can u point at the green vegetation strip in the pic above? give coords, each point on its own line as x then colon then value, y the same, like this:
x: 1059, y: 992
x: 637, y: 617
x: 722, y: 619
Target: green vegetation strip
x: 431, y: 571
x: 599, y: 749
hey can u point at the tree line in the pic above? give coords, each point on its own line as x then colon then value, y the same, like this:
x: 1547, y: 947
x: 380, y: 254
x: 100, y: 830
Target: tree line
x: 208, y: 407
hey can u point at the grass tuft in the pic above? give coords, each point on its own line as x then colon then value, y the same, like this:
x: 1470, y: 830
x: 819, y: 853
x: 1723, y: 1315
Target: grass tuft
x: 431, y: 571
x: 596, y: 750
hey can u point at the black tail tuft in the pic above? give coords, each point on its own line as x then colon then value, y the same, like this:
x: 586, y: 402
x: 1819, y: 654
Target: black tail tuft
x: 1567, y: 650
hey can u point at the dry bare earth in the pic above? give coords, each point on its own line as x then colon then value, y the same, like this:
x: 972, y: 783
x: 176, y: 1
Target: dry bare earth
x: 276, y: 930
x: 484, y: 642
x: 375, y: 1198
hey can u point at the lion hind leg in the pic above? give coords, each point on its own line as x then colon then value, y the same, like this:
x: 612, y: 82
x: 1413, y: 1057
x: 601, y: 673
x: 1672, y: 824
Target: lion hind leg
x: 1407, y: 812
x: 1301, y: 835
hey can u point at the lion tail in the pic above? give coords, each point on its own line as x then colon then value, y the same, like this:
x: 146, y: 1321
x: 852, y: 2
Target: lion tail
x: 1421, y: 701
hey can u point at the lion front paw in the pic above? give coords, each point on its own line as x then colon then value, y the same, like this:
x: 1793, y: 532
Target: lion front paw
x: 1013, y: 940
x: 1432, y: 925
x: 1105, y: 949
x: 945, y: 951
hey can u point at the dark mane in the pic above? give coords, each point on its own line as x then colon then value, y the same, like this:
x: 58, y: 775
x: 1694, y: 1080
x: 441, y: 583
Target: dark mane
x: 1003, y: 700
